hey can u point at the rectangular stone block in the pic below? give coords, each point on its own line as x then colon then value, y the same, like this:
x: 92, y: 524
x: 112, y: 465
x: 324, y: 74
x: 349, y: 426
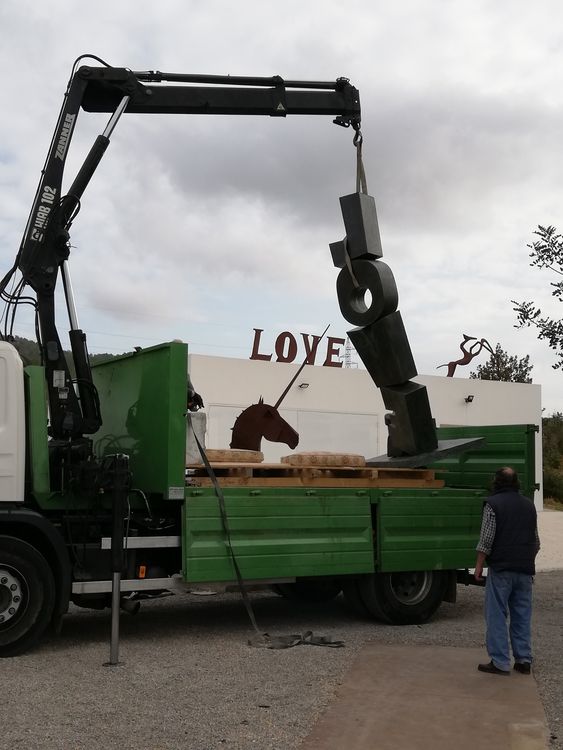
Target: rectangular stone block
x: 338, y: 252
x: 384, y: 349
x: 411, y: 426
x: 362, y: 229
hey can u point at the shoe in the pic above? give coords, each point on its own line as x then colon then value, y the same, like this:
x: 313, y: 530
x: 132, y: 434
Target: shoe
x: 524, y: 667
x: 491, y: 669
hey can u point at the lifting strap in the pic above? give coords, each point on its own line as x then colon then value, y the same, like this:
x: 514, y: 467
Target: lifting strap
x: 260, y: 639
x: 361, y: 186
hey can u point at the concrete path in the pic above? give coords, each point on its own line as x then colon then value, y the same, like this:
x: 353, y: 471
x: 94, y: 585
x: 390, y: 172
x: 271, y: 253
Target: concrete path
x: 550, y: 527
x: 430, y: 698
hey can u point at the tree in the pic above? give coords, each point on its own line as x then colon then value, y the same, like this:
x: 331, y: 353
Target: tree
x: 502, y: 366
x: 552, y: 436
x: 547, y: 253
x: 28, y: 350
x: 552, y: 432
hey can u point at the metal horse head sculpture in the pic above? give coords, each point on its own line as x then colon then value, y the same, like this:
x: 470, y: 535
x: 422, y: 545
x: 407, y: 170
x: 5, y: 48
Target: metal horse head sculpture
x: 262, y: 421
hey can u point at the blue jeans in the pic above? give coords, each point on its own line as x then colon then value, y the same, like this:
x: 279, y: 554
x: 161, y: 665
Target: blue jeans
x: 508, y: 593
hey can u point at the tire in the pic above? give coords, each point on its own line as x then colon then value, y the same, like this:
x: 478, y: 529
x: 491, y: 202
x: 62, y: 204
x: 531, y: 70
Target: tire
x: 308, y: 591
x: 27, y: 596
x: 405, y: 598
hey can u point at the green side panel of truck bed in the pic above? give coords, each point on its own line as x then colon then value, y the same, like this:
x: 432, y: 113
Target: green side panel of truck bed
x: 286, y: 532
x: 277, y: 533
x: 418, y: 529
x: 143, y: 403
x: 427, y: 529
x: 505, y: 445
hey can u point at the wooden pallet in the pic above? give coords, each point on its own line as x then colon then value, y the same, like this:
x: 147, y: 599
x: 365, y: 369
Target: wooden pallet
x: 285, y: 475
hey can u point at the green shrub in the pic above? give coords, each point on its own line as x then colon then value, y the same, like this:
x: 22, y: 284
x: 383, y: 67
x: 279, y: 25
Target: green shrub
x: 553, y: 484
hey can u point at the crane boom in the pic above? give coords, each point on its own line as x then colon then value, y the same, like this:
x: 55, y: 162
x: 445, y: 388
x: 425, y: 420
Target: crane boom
x: 45, y: 246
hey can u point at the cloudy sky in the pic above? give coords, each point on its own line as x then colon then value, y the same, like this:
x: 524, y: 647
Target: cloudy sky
x: 204, y: 228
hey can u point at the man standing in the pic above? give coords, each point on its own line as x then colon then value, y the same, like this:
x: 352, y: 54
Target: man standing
x: 509, y: 544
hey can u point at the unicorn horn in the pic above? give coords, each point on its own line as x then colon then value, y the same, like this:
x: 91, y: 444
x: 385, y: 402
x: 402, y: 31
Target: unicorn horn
x: 299, y: 371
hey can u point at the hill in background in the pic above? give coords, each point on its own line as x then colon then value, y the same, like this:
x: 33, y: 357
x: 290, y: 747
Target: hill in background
x: 29, y: 352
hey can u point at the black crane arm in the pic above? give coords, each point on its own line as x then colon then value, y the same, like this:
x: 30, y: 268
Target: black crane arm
x: 176, y: 93
x: 45, y: 246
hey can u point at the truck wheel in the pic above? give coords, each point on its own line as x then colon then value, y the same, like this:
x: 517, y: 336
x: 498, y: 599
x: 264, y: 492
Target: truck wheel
x: 405, y: 598
x: 27, y: 596
x: 308, y: 591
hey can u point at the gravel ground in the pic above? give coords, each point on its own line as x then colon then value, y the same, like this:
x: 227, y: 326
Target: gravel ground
x: 188, y: 679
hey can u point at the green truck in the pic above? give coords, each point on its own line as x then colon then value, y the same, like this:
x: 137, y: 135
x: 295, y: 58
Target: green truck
x: 96, y: 506
x: 396, y: 552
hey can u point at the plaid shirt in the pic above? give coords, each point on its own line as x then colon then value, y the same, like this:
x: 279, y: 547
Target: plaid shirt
x: 488, y: 531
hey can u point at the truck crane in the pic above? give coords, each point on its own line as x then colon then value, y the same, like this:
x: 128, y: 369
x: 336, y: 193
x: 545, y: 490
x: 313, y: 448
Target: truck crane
x: 75, y: 448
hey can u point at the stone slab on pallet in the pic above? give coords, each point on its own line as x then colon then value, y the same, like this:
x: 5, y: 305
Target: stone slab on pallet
x: 324, y: 458
x: 231, y: 455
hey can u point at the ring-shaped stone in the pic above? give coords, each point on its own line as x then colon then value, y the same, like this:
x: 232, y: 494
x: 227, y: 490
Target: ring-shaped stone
x: 374, y: 276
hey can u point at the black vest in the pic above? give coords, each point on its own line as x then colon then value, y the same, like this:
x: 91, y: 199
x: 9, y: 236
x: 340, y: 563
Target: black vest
x: 514, y: 546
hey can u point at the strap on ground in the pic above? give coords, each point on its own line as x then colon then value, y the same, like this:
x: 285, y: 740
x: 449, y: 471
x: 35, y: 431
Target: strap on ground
x: 260, y: 639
